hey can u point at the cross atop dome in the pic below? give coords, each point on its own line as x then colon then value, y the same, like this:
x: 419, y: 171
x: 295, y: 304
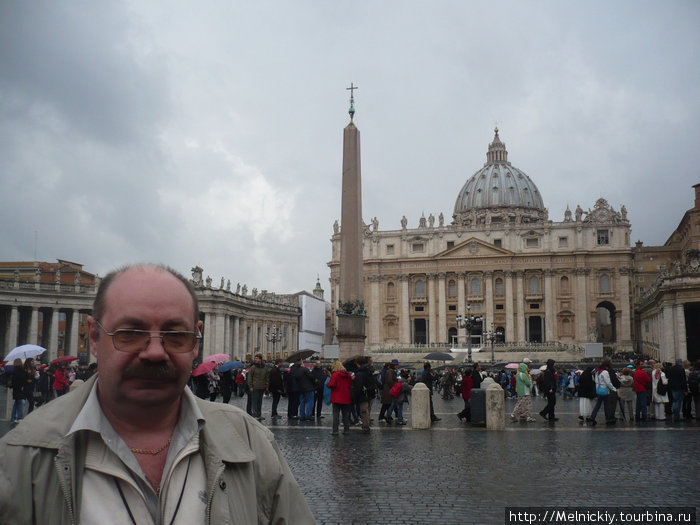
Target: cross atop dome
x: 497, y: 153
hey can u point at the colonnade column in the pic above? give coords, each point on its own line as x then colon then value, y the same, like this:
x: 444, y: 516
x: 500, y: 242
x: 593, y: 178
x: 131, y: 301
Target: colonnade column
x: 72, y: 343
x: 53, y: 333
x: 374, y: 310
x: 581, y: 305
x: 520, y: 302
x: 404, y: 321
x: 488, y: 299
x: 550, y: 310
x: 442, y: 309
x: 236, y: 338
x: 209, y: 327
x: 510, y: 306
x: 432, y: 310
x: 626, y: 313
x: 34, y: 331
x: 12, y: 329
x: 461, y: 307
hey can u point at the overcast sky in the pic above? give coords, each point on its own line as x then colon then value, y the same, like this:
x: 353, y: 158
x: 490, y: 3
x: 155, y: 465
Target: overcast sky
x: 210, y: 133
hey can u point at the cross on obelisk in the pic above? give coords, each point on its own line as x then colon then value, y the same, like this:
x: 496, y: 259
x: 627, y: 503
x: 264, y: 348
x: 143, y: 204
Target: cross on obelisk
x: 352, y: 89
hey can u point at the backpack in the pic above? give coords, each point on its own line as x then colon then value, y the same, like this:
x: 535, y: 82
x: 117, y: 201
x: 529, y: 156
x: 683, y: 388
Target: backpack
x: 694, y: 381
x: 395, y: 390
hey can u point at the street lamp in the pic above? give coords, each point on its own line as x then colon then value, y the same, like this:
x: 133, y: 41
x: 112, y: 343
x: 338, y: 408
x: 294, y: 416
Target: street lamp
x: 491, y: 336
x: 468, y: 322
x: 272, y: 337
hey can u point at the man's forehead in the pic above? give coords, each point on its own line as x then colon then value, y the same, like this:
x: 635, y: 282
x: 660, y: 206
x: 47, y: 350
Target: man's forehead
x: 141, y: 285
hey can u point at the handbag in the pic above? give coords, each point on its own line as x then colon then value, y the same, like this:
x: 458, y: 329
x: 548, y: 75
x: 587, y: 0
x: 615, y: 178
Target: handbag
x: 661, y: 388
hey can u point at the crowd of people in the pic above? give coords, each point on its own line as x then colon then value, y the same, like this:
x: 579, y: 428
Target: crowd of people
x: 34, y: 384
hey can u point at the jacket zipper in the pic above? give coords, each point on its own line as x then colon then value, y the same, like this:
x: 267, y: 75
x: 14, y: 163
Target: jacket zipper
x: 219, y: 472
x: 66, y: 493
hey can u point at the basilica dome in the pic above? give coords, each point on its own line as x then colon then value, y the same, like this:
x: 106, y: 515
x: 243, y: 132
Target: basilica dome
x: 500, y: 188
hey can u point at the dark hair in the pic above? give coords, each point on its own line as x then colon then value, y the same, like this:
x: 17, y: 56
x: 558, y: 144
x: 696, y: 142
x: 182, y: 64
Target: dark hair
x: 99, y: 306
x: 426, y: 366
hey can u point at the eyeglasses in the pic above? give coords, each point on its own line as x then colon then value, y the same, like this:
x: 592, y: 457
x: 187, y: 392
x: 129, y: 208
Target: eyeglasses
x: 134, y: 341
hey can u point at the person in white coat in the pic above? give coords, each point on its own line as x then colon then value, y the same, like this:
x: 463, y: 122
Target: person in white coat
x: 658, y: 400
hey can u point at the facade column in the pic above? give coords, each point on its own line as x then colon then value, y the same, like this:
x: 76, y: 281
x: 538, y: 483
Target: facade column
x: 442, y: 310
x: 404, y: 320
x: 581, y: 305
x: 520, y: 304
x: 667, y: 347
x: 374, y: 310
x: 510, y: 307
x: 12, y: 329
x: 53, y: 332
x: 681, y: 344
x: 550, y: 307
x: 488, y: 299
x: 625, y: 335
x: 72, y: 342
x: 432, y: 309
x: 461, y: 307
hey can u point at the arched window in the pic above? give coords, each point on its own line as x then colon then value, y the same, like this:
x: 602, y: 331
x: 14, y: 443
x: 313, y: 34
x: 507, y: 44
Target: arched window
x: 390, y: 291
x: 420, y: 289
x: 564, y: 285
x: 605, y: 283
x: 534, y: 285
x: 475, y: 286
x: 499, y: 287
x: 451, y: 289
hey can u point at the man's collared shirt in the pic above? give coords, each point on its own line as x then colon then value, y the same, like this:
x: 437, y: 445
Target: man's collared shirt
x: 110, y: 466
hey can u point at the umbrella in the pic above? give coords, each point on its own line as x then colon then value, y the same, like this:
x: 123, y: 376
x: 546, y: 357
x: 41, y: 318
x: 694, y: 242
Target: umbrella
x: 230, y: 366
x: 350, y: 363
x: 217, y: 358
x: 204, y: 368
x: 543, y: 367
x: 64, y: 359
x: 25, y: 351
x: 301, y: 354
x: 439, y: 356
x: 535, y: 372
x: 512, y: 365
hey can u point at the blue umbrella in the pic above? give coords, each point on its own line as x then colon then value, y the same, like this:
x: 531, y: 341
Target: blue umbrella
x: 231, y: 365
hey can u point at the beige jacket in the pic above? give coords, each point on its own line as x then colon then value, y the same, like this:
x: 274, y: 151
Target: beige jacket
x: 248, y: 480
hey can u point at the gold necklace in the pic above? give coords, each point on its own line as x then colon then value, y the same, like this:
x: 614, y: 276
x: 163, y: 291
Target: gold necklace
x: 152, y: 452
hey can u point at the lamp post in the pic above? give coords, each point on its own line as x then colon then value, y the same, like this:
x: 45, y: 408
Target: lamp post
x: 272, y: 337
x: 491, y: 336
x: 468, y: 322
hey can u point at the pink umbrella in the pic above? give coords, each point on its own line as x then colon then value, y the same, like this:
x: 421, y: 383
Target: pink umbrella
x: 64, y: 359
x: 204, y: 368
x: 217, y: 358
x: 512, y: 365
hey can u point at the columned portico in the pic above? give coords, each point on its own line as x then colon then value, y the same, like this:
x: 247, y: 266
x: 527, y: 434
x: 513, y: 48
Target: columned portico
x: 405, y: 319
x: 442, y: 309
x: 510, y: 319
x: 549, y: 306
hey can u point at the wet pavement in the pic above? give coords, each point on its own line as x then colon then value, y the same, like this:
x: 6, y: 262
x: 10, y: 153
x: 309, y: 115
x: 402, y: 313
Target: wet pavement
x: 458, y: 474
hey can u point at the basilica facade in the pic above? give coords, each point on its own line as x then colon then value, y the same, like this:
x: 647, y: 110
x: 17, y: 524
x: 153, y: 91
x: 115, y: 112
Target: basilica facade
x: 499, y: 258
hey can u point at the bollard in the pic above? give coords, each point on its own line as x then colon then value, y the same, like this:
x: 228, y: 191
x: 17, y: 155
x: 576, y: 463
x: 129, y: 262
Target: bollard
x: 420, y: 406
x: 495, y: 408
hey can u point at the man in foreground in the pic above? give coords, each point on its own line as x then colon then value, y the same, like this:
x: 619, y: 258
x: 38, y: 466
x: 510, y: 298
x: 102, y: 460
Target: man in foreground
x: 133, y: 445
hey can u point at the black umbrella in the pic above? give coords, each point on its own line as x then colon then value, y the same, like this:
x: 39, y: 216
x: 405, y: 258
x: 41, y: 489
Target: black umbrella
x: 300, y: 355
x: 438, y: 356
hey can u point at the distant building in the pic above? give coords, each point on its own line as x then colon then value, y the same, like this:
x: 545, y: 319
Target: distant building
x: 498, y: 255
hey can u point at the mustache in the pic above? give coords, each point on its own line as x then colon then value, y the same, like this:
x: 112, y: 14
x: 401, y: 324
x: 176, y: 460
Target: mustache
x: 159, y: 371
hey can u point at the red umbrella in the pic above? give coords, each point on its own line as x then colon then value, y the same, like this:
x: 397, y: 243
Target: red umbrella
x: 64, y: 359
x: 217, y: 358
x: 204, y: 368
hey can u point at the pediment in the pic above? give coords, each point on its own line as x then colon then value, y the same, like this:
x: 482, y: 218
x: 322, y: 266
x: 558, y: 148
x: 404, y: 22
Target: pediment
x: 473, y: 247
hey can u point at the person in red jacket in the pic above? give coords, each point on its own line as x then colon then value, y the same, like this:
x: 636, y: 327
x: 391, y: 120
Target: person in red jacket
x: 340, y: 385
x: 467, y: 384
x: 60, y: 381
x: 641, y: 386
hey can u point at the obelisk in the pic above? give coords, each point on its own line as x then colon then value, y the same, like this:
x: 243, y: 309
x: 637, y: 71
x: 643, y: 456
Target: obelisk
x: 351, y: 310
